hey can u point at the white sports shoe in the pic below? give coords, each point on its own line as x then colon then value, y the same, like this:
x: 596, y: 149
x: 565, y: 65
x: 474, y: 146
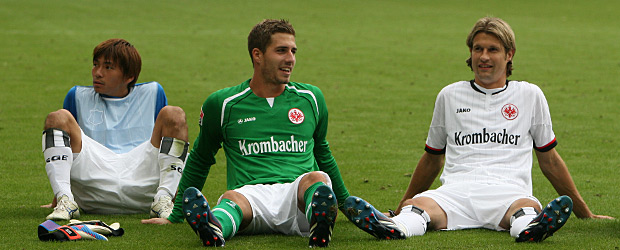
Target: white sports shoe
x: 162, y: 207
x: 65, y: 210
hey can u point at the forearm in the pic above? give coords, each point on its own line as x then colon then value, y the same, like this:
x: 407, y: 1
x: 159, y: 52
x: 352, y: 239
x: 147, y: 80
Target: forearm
x: 193, y: 176
x: 328, y: 164
x: 424, y: 175
x: 563, y: 184
x: 338, y: 186
x: 555, y: 170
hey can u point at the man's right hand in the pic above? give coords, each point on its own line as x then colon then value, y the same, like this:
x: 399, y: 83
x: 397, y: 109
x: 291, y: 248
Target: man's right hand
x: 51, y: 205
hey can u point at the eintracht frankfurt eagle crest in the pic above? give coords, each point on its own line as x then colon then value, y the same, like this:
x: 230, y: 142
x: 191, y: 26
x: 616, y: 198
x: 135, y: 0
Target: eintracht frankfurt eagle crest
x: 510, y: 111
x: 296, y: 116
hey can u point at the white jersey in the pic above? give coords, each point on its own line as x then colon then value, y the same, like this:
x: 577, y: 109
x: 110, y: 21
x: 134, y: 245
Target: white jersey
x: 487, y: 135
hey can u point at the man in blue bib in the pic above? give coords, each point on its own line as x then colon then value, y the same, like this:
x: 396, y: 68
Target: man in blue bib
x: 115, y: 147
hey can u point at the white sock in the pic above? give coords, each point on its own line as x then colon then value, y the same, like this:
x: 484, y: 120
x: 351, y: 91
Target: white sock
x: 173, y: 153
x: 58, y: 162
x: 411, y: 222
x: 58, y: 158
x: 520, y: 220
x: 170, y: 169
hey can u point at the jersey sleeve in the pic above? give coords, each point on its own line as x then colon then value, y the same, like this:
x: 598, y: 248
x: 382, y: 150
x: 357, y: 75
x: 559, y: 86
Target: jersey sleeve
x: 161, y: 100
x: 541, y: 130
x: 69, y: 103
x: 202, y: 155
x: 437, y: 137
x: 323, y: 154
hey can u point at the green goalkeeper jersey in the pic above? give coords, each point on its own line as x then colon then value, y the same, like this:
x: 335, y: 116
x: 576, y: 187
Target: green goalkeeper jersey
x: 266, y: 140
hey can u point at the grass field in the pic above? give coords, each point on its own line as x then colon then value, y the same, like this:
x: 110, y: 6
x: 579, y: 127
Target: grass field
x: 380, y: 65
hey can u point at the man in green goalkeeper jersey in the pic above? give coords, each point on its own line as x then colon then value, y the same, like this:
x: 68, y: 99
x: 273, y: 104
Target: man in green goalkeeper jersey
x: 282, y: 177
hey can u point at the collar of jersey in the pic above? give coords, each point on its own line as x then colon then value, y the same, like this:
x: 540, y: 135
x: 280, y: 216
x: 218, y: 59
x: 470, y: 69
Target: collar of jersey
x: 473, y: 86
x: 116, y: 97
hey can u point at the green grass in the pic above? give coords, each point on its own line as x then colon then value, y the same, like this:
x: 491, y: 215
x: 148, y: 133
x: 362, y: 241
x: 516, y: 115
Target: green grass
x: 380, y: 65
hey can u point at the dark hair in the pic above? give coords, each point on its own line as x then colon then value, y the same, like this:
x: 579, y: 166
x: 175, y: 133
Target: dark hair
x: 122, y: 54
x: 260, y: 35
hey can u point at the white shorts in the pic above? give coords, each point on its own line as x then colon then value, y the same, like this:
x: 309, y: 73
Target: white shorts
x: 274, y: 208
x: 473, y: 205
x: 105, y: 182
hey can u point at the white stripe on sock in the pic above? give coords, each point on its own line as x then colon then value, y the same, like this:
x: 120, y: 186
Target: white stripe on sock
x: 231, y: 219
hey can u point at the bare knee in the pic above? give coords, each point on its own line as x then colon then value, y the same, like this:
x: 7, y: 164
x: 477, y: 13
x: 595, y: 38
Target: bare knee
x: 244, y: 205
x: 314, y: 177
x: 239, y: 199
x: 172, y: 122
x: 60, y: 119
x: 437, y: 215
x: 231, y: 195
x: 306, y: 182
x: 521, y: 203
x: 425, y: 203
x: 408, y: 202
x: 515, y: 206
x: 173, y: 116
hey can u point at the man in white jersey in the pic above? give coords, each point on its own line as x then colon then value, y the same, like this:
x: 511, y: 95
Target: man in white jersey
x: 115, y: 147
x: 485, y: 129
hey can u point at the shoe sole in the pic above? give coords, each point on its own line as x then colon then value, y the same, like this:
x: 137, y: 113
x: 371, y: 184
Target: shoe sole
x: 198, y: 214
x: 324, y: 212
x: 551, y: 219
x: 366, y: 217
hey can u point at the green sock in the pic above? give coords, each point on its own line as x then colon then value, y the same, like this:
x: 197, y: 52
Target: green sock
x: 229, y: 214
x: 308, y: 198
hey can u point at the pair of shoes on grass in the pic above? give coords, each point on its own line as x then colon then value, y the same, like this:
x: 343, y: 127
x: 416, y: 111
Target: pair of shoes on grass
x: 369, y: 219
x: 67, y: 209
x: 198, y: 214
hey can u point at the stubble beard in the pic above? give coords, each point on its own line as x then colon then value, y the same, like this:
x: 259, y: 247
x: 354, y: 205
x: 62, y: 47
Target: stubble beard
x: 273, y: 78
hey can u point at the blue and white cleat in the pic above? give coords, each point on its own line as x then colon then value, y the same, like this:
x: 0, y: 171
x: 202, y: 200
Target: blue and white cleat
x: 369, y: 219
x: 324, y: 209
x: 551, y: 219
x: 199, y: 216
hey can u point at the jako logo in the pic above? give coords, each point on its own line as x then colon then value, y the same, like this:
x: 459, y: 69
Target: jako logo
x: 249, y: 119
x: 463, y: 110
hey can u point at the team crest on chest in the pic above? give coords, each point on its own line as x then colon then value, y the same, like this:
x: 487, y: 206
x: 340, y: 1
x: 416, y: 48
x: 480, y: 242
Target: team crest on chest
x: 96, y: 117
x: 510, y: 111
x: 296, y: 116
